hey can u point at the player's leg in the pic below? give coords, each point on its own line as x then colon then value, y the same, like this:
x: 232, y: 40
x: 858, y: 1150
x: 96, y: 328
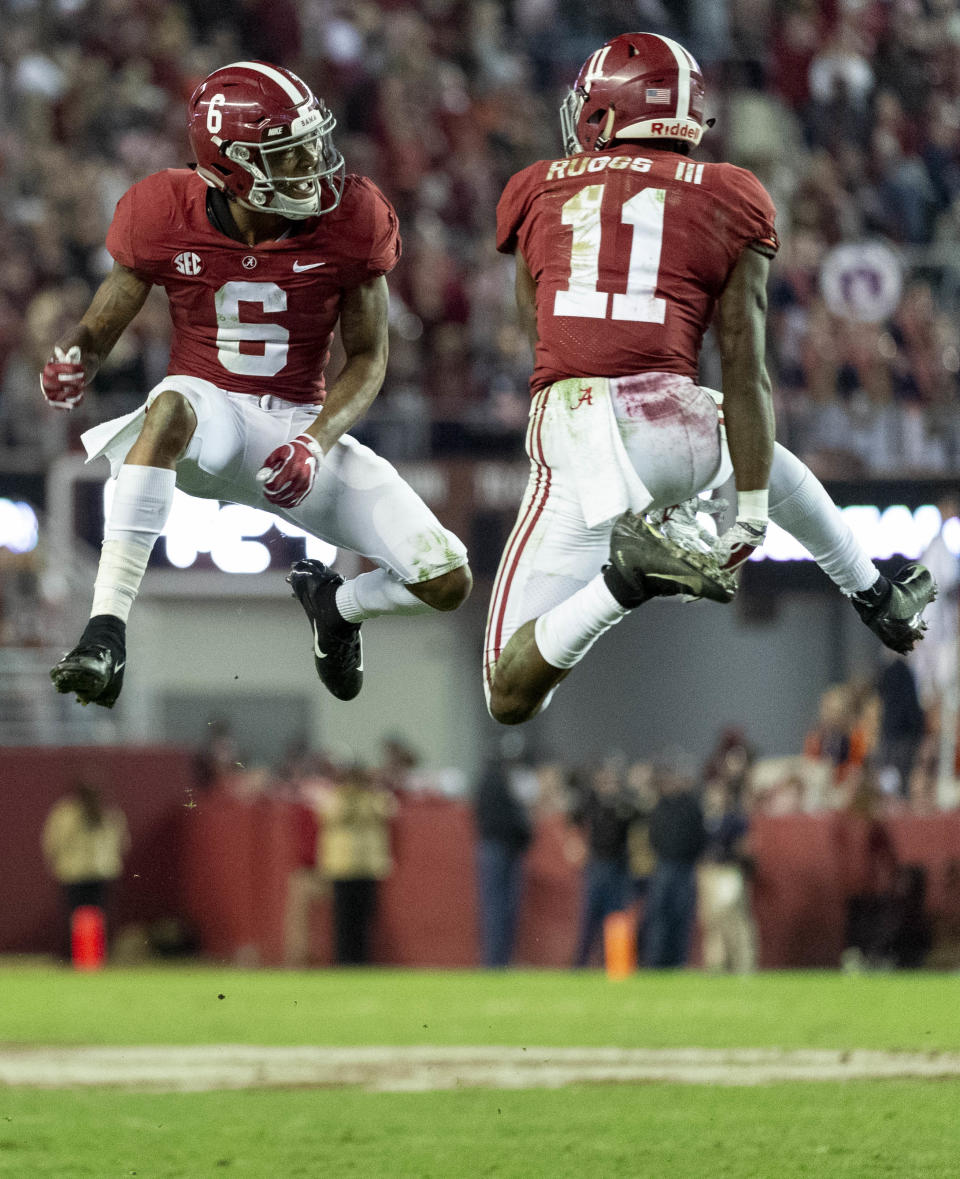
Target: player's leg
x: 141, y: 504
x: 561, y: 585
x: 360, y: 503
x: 550, y: 558
x: 891, y: 607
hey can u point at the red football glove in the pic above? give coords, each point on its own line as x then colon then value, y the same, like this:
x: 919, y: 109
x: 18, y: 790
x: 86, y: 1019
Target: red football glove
x: 289, y: 472
x: 737, y: 544
x: 63, y: 378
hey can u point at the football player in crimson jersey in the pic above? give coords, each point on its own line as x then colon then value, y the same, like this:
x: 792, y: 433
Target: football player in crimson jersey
x: 626, y: 251
x: 262, y: 250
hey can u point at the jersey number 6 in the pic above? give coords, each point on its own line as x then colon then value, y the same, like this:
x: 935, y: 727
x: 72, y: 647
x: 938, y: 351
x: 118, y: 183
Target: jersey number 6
x: 644, y: 211
x: 231, y: 332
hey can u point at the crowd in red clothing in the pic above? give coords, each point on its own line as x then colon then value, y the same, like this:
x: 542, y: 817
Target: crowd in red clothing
x: 849, y: 113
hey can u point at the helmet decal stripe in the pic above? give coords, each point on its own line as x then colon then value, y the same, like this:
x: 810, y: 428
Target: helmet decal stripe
x: 296, y: 96
x: 683, y: 60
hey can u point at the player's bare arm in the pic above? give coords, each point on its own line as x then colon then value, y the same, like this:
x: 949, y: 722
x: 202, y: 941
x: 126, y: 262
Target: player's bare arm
x: 747, y: 400
x: 526, y: 292
x: 115, y: 304
x: 363, y: 330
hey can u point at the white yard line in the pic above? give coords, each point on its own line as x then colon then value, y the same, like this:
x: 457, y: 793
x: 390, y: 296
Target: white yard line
x: 417, y: 1069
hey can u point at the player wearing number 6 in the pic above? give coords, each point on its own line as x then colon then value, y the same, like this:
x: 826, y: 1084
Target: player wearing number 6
x: 626, y: 251
x: 262, y: 250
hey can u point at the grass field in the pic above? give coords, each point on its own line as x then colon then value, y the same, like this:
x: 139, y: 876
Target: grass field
x: 900, y: 1126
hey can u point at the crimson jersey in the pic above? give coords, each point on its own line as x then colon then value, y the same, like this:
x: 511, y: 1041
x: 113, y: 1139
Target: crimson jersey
x: 252, y: 319
x: 630, y: 251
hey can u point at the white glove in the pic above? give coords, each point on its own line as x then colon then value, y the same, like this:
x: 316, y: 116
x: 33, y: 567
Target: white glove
x: 737, y: 544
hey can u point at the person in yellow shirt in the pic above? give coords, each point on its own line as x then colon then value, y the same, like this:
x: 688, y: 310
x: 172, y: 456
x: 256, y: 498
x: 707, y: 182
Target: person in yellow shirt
x: 355, y: 856
x: 84, y: 842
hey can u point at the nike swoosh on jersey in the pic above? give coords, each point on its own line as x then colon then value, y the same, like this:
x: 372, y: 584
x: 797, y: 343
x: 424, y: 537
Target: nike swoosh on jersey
x: 299, y: 267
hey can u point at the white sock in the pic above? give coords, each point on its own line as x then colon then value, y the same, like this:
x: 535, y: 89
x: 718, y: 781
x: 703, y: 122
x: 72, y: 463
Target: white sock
x: 799, y: 504
x: 375, y: 593
x: 141, y: 504
x: 567, y: 632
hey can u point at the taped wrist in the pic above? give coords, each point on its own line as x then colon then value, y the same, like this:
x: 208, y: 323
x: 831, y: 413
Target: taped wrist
x: 753, y: 505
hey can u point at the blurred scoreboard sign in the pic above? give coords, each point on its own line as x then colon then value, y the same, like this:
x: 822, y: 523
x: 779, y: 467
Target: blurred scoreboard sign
x: 19, y: 527
x: 862, y: 281
x: 478, y: 500
x: 883, y: 532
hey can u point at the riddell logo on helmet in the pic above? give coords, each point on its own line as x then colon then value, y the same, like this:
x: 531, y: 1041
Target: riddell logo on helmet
x: 673, y: 130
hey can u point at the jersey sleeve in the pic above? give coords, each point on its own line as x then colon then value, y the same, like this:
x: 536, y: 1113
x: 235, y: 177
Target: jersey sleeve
x: 120, y: 235
x: 758, y: 213
x: 128, y: 238
x: 381, y: 233
x: 511, y: 209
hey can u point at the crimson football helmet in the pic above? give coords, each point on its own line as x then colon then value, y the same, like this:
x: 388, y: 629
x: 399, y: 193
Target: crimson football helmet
x: 637, y: 86
x: 261, y: 136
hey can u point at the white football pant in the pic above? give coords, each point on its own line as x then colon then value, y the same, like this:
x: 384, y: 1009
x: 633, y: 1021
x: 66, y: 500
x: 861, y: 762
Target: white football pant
x: 358, y: 502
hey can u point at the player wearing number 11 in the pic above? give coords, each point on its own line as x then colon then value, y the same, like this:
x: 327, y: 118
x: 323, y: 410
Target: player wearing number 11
x: 263, y: 250
x: 626, y: 251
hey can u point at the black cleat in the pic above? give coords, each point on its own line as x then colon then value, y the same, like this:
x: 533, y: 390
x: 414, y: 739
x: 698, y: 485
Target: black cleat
x: 337, y: 646
x: 645, y: 564
x: 893, y: 609
x: 94, y: 668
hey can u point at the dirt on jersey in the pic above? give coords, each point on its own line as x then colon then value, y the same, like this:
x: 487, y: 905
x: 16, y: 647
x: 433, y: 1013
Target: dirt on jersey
x: 630, y: 251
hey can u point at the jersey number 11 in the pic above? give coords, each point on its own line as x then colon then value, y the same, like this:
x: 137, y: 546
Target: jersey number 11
x: 644, y: 211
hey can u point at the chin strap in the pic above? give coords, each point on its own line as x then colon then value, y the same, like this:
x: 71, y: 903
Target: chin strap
x: 604, y: 138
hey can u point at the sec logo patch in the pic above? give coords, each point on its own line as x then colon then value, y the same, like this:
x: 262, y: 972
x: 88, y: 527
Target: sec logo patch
x: 188, y: 262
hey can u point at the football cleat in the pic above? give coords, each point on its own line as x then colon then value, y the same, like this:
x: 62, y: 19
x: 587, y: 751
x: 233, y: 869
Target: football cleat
x: 894, y: 613
x: 337, y: 646
x: 646, y: 564
x: 94, y: 668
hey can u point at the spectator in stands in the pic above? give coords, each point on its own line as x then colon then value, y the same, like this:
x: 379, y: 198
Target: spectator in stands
x: 723, y: 880
x: 640, y: 857
x: 843, y: 733
x: 902, y: 725
x: 730, y: 763
x: 84, y: 843
x: 604, y: 811
x: 504, y: 831
x: 678, y: 837
x: 355, y: 856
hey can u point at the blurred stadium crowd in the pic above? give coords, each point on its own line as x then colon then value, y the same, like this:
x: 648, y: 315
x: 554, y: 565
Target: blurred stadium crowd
x: 848, y: 110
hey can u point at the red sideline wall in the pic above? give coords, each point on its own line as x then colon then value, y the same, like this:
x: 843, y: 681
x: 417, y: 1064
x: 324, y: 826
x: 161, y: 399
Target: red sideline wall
x: 151, y: 785
x: 224, y: 865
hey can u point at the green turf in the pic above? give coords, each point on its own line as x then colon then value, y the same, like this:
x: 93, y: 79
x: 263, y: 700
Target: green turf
x: 891, y: 1128
x: 171, y: 1006
x: 896, y: 1128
